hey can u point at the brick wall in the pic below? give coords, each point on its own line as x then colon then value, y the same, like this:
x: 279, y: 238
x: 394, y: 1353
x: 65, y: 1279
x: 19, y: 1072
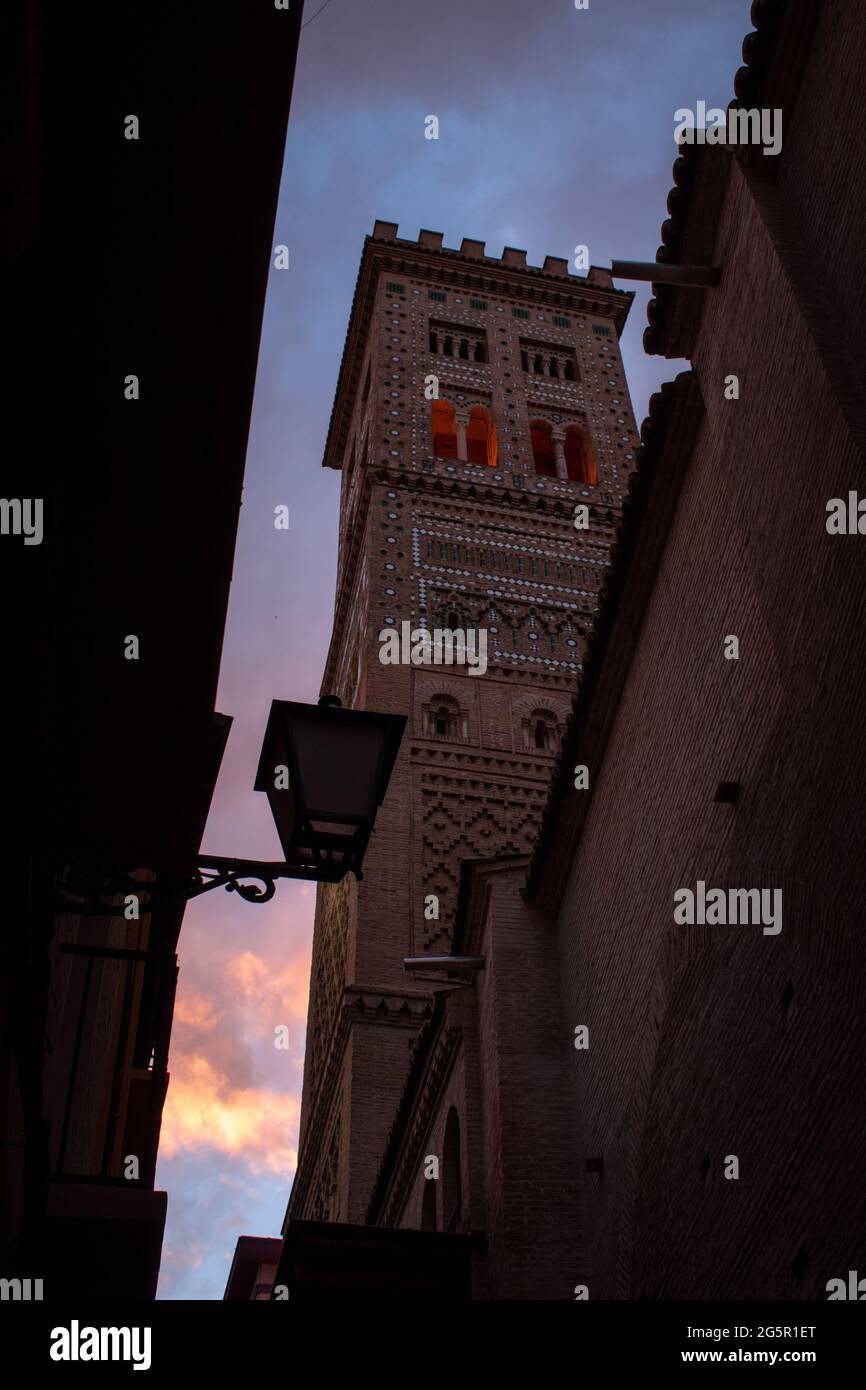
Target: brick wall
x: 534, y: 1203
x: 717, y: 1041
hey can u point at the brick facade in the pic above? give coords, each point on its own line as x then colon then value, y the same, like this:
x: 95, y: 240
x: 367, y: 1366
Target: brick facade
x: 611, y: 1166
x: 434, y: 529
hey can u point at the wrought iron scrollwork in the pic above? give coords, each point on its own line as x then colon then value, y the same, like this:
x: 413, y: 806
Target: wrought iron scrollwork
x: 95, y: 891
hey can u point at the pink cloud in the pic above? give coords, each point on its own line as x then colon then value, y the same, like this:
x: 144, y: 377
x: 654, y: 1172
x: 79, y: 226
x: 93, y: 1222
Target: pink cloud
x: 204, y: 1110
x: 195, y: 1009
x: 277, y: 990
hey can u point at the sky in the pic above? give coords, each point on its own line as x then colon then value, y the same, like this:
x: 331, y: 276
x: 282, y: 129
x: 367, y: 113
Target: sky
x: 555, y: 129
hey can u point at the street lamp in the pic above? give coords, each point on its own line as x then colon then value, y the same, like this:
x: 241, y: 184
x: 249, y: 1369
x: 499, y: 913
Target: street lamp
x: 325, y: 771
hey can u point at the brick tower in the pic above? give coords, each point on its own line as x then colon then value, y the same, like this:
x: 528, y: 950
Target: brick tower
x: 456, y: 511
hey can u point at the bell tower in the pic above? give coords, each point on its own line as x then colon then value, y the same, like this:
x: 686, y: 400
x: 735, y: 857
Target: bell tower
x: 485, y: 436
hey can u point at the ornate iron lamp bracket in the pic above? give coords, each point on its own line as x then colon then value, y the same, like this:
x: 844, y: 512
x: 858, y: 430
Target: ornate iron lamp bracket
x: 94, y: 892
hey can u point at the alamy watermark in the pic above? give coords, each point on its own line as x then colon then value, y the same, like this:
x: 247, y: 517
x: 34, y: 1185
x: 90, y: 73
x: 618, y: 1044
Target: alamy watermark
x: 735, y: 126
x: 22, y: 516
x: 854, y: 1289
x: 729, y: 907
x: 21, y: 1290
x: 444, y: 646
x: 76, y: 1343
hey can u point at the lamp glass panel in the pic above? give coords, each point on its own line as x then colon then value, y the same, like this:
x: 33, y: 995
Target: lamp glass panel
x: 338, y: 760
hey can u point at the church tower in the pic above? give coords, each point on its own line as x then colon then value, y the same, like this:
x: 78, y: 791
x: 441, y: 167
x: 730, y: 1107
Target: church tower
x: 480, y: 402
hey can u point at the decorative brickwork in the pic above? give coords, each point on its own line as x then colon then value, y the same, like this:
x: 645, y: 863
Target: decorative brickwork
x: 451, y: 518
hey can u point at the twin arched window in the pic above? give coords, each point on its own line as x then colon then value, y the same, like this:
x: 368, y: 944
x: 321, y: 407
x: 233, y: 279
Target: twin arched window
x: 580, y: 463
x: 579, y: 459
x: 470, y: 441
x: 444, y: 424
x: 544, y: 456
x: 480, y: 437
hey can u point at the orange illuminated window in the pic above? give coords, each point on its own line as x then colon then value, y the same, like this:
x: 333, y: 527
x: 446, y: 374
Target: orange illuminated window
x: 481, y: 445
x: 579, y: 458
x: 542, y: 448
x: 444, y: 430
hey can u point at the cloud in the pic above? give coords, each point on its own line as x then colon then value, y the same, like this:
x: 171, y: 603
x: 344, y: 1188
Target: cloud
x: 273, y: 990
x: 211, y: 1203
x: 204, y: 1110
x: 196, y: 1010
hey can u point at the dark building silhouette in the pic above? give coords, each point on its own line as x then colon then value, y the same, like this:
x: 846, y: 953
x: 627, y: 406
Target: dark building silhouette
x: 251, y: 1277
x: 140, y: 252
x: 615, y: 1103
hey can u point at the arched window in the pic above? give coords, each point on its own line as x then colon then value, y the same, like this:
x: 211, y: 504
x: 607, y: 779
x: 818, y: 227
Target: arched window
x: 448, y: 347
x: 464, y: 349
x: 444, y: 427
x: 451, y: 1185
x: 541, y: 731
x: 481, y: 445
x: 554, y: 367
x: 570, y: 372
x: 443, y: 718
x: 539, y: 364
x: 428, y: 1206
x: 579, y: 458
x: 542, y: 448
x: 434, y: 341
x: 480, y: 352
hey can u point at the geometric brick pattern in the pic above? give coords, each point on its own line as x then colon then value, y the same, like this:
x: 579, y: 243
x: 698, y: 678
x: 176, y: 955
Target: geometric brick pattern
x: 429, y: 533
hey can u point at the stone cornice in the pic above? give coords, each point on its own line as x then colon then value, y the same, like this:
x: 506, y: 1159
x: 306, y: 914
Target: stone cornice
x: 381, y: 1004
x: 504, y: 494
x: 447, y: 783
x: 452, y: 762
